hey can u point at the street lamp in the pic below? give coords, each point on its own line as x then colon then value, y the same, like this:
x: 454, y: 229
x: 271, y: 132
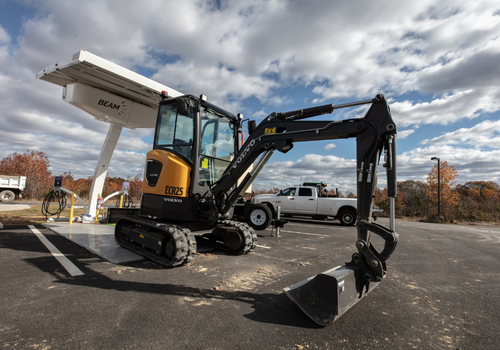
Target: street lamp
x: 439, y: 186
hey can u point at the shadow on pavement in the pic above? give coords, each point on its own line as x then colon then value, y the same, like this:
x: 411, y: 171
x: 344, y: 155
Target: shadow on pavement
x: 268, y: 307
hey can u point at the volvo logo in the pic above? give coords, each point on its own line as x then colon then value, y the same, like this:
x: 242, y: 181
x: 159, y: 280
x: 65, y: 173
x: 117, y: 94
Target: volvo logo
x: 243, y: 155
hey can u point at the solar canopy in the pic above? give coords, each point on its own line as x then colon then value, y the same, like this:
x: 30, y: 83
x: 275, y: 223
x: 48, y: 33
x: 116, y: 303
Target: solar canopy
x: 106, y: 90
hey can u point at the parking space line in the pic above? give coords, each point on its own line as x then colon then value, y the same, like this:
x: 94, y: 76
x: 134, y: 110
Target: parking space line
x: 263, y: 246
x: 63, y: 260
x: 304, y: 233
x: 294, y: 224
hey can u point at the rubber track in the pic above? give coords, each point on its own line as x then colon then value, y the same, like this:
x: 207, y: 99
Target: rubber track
x: 248, y: 233
x: 184, y: 241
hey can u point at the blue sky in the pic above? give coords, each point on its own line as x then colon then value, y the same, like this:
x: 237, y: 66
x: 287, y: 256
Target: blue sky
x: 437, y: 62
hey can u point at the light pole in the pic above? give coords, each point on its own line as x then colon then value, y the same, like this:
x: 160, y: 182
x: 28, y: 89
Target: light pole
x: 439, y: 186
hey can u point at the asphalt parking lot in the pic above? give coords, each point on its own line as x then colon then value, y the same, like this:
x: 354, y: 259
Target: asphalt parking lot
x: 441, y: 292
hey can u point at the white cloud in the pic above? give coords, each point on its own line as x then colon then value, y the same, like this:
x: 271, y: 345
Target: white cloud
x: 336, y: 171
x: 329, y: 146
x: 447, y: 109
x: 471, y: 164
x: 4, y: 37
x: 445, y: 53
x: 405, y: 133
x: 222, y: 86
x: 484, y: 134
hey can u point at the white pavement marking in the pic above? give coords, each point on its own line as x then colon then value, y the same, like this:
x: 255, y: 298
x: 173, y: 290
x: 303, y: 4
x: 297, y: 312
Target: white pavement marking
x: 63, y: 260
x: 294, y: 224
x: 305, y: 233
x: 263, y: 246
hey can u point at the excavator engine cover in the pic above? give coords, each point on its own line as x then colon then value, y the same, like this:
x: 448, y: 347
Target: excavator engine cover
x: 328, y: 295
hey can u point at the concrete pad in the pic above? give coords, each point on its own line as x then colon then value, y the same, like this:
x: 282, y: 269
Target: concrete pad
x: 99, y: 239
x: 11, y: 207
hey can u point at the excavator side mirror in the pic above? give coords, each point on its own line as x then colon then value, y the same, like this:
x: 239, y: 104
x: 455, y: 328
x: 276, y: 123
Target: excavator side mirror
x: 183, y: 107
x: 252, y: 125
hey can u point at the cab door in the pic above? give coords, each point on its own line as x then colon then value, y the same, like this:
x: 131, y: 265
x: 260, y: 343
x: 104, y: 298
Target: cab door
x: 286, y: 200
x: 305, y: 202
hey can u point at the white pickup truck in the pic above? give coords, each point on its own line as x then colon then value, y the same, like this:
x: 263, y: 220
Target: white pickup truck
x: 10, y: 186
x: 306, y: 201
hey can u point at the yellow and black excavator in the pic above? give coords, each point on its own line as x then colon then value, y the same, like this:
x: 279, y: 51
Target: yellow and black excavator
x: 197, y: 170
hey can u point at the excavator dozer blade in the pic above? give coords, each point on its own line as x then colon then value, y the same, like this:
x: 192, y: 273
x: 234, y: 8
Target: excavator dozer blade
x: 327, y: 296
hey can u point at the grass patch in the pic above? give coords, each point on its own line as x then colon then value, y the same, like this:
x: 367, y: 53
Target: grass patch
x: 33, y: 215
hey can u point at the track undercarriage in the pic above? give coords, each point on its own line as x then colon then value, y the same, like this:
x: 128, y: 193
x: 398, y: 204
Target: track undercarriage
x: 172, y: 245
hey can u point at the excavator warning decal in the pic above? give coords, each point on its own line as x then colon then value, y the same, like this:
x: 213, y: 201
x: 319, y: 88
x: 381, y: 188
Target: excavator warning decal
x: 270, y: 131
x: 204, y: 163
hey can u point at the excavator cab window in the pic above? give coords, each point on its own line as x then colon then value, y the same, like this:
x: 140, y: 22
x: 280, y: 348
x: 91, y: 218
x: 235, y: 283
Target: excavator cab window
x: 217, y: 146
x: 175, y: 129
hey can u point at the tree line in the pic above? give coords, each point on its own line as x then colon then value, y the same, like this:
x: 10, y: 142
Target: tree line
x: 472, y: 201
x: 40, y: 180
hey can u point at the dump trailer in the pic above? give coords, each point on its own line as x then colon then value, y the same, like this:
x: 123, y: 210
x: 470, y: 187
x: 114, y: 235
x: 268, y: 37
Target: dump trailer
x: 11, y: 186
x: 197, y: 171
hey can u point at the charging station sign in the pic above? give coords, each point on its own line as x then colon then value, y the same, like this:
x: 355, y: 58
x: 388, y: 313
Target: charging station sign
x: 109, y: 107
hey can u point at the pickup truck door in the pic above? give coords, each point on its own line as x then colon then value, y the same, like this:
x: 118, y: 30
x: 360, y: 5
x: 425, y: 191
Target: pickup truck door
x: 286, y: 200
x: 305, y: 202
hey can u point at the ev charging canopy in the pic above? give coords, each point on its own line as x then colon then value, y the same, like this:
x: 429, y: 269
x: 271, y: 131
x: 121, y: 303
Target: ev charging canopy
x: 110, y: 93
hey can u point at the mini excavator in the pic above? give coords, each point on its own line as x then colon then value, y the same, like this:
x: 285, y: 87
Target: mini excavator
x: 197, y: 170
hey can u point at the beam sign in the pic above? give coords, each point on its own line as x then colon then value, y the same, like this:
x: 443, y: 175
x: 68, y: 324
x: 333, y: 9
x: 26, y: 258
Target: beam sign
x: 109, y: 107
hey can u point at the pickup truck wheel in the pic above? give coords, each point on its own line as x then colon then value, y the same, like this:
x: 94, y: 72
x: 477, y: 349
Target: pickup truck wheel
x: 347, y: 218
x: 259, y: 217
x: 7, y: 196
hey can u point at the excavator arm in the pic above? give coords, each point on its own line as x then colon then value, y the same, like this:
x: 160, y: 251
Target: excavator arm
x: 328, y: 295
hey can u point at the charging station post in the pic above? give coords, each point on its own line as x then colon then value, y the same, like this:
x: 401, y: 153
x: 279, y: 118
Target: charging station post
x: 71, y: 208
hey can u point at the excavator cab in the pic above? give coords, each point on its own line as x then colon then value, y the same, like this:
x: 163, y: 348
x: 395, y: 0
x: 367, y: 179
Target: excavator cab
x: 194, y: 143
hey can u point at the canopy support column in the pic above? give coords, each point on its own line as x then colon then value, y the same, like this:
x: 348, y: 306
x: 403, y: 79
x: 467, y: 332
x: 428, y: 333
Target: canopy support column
x: 101, y: 169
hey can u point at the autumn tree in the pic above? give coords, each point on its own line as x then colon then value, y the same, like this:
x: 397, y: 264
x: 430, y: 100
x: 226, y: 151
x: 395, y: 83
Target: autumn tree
x: 381, y: 200
x: 135, y: 190
x: 112, y: 185
x: 449, y: 197
x: 413, y: 198
x: 35, y: 166
x: 479, y: 201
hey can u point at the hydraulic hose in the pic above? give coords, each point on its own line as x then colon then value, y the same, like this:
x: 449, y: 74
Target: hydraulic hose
x: 57, y: 196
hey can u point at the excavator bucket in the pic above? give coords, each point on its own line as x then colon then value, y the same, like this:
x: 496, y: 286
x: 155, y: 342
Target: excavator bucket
x: 328, y: 295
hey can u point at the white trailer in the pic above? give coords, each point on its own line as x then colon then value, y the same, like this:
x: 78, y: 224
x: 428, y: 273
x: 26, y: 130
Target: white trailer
x: 11, y: 186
